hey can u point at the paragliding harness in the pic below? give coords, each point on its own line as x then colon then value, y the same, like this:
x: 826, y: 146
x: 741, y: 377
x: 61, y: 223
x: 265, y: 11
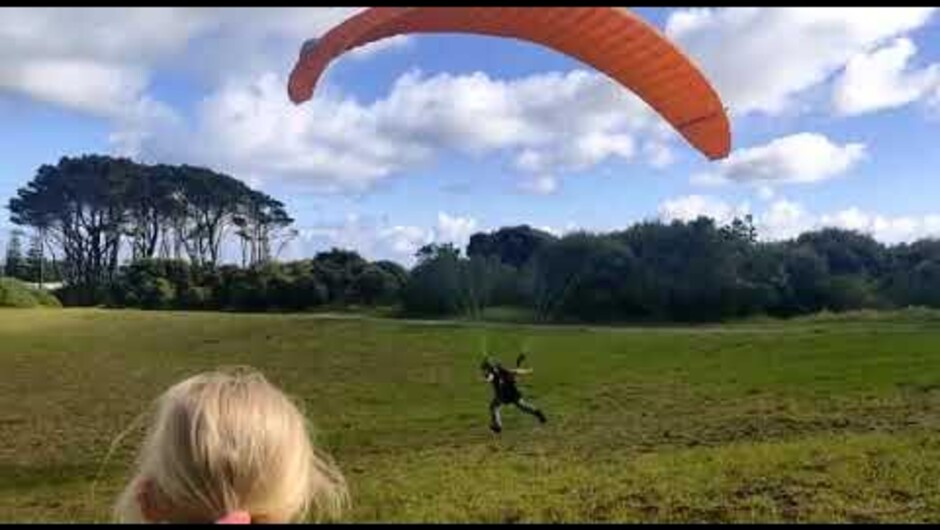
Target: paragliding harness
x: 506, y: 392
x: 503, y: 381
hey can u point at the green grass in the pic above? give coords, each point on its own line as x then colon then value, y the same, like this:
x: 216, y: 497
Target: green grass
x: 820, y: 419
x: 16, y: 294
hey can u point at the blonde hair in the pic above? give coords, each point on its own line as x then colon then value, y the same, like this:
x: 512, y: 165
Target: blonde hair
x: 227, y: 441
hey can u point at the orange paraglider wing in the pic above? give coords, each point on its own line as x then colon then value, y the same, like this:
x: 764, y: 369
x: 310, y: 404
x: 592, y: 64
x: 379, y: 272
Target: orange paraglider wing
x: 610, y: 39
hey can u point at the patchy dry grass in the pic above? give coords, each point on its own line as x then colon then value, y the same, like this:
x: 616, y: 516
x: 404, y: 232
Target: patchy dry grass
x: 812, y: 420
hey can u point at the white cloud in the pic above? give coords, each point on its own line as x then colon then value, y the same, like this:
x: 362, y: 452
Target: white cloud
x: 761, y: 58
x: 931, y: 224
x: 690, y: 207
x: 850, y: 219
x: 713, y: 180
x: 90, y: 60
x: 556, y: 231
x: 551, y: 123
x: 883, y: 79
x: 888, y: 229
x: 539, y: 185
x: 550, y: 229
x: 392, y: 43
x: 933, y: 102
x: 560, y: 122
x: 330, y: 144
x: 371, y: 239
x: 658, y: 154
x: 97, y: 88
x: 240, y: 44
x: 530, y: 160
x: 377, y: 239
x: 100, y: 60
x: 784, y: 219
x: 456, y: 230
x: 141, y: 121
x: 765, y: 192
x: 404, y: 241
x: 740, y: 48
x: 106, y: 34
x: 798, y: 158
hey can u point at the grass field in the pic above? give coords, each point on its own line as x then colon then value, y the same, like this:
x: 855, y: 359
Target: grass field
x: 827, y: 419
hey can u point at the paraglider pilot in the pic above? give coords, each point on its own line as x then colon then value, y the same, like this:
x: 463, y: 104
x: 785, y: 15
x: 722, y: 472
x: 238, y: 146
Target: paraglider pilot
x: 505, y: 391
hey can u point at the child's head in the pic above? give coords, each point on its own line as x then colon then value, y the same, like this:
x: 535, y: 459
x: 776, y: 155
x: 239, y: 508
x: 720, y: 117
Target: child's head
x: 227, y: 442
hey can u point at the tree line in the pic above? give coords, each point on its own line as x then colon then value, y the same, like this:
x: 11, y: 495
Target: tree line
x: 335, y: 278
x: 694, y: 271
x: 88, y: 212
x: 132, y: 235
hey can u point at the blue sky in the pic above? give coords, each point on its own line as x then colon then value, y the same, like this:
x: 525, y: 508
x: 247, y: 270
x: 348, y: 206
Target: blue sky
x: 417, y: 139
